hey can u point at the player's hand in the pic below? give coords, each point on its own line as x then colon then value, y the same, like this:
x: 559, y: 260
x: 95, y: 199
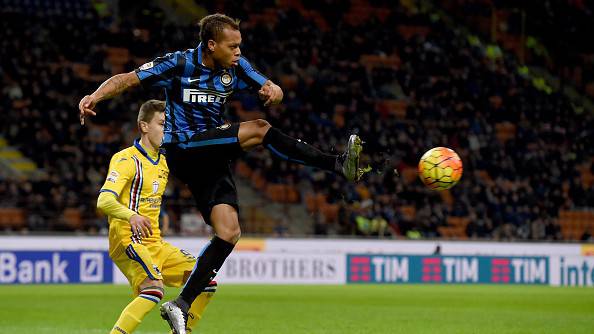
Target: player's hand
x: 86, y: 106
x: 140, y: 226
x: 271, y: 93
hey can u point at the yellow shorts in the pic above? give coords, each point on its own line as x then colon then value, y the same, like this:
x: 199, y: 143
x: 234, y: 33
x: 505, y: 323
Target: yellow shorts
x: 156, y: 260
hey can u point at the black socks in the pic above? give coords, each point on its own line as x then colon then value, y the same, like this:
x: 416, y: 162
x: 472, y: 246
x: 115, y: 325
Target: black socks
x: 296, y: 150
x: 208, y: 264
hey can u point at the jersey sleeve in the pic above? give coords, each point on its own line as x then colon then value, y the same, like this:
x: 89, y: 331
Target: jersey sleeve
x: 159, y: 72
x: 248, y: 76
x: 112, y: 208
x: 121, y: 171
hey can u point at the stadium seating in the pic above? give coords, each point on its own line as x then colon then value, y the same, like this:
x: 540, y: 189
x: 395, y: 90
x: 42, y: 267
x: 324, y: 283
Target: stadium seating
x: 574, y: 223
x: 12, y: 218
x: 401, y: 77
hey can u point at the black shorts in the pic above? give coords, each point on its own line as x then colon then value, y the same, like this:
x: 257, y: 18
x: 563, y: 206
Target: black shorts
x: 204, y: 164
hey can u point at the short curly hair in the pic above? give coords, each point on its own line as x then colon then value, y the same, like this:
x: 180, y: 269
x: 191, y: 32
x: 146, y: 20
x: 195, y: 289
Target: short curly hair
x: 211, y: 27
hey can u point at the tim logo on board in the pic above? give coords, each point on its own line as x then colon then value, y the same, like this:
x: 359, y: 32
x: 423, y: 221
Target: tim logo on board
x: 30, y: 267
x: 377, y: 269
x: 519, y: 270
x: 412, y: 269
x: 449, y: 269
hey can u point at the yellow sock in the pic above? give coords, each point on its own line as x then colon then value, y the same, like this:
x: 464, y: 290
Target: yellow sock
x: 133, y: 314
x: 197, y: 310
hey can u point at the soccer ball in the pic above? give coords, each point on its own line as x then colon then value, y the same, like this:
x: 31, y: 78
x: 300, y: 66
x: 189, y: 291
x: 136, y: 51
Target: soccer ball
x: 440, y: 168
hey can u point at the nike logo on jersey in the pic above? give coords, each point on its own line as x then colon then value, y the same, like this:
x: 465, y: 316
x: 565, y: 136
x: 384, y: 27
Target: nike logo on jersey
x: 190, y: 80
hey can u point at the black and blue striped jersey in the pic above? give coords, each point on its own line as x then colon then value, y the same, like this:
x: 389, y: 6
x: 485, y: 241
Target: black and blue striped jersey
x: 195, y: 94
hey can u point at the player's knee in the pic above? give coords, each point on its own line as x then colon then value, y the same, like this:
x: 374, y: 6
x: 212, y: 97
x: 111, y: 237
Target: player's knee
x: 152, y: 290
x: 150, y: 282
x: 230, y: 233
x: 263, y: 126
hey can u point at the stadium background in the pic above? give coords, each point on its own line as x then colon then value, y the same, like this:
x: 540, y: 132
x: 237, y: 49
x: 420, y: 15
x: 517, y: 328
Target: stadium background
x: 507, y: 85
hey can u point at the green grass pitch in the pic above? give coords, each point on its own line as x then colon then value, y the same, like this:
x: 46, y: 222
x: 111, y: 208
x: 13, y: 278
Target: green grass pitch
x: 263, y: 309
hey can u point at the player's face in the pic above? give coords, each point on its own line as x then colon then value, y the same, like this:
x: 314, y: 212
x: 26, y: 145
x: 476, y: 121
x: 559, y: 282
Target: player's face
x: 226, y: 51
x: 154, y: 129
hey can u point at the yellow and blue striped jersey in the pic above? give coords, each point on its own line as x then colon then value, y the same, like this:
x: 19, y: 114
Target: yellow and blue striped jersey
x: 138, y: 182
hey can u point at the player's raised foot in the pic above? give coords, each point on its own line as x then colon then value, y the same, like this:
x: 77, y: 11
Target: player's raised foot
x: 175, y: 316
x: 350, y: 159
x: 363, y: 171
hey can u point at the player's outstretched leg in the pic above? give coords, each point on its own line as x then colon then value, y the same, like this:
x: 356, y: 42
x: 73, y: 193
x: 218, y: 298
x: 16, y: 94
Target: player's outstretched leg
x: 298, y: 151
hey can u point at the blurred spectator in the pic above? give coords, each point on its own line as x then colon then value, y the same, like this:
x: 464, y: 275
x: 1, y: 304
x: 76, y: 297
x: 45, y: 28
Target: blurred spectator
x: 524, y: 149
x: 192, y: 223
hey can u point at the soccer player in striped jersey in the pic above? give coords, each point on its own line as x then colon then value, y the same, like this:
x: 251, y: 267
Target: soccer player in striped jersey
x: 131, y: 198
x: 200, y: 144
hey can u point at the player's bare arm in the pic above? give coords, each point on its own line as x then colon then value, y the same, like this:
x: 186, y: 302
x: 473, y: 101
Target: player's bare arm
x: 111, y: 87
x: 270, y: 93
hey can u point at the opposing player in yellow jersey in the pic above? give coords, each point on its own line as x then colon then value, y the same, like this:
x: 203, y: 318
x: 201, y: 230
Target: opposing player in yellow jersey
x: 131, y: 198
